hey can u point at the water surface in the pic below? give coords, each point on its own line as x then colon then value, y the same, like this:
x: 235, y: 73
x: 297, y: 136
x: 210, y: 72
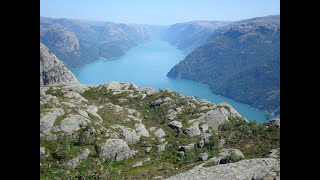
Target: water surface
x: 147, y: 65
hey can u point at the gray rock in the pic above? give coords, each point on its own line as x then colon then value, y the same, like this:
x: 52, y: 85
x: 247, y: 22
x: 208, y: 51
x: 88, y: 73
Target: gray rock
x: 117, y: 149
x: 156, y: 103
x: 161, y: 147
x: 176, y: 125
x: 148, y: 149
x: 85, y: 154
x: 42, y: 151
x: 227, y: 152
x: 52, y: 70
x: 186, y: 148
x: 203, y: 156
x: 159, y: 133
x: 73, y: 123
x: 47, y: 121
x: 222, y: 142
x: 193, y: 130
x: 152, y: 129
x: 141, y: 130
x: 172, y: 115
x: 245, y: 169
x: 83, y: 113
x: 137, y: 164
x: 274, y: 153
x: 206, y: 137
x: 204, y: 127
x: 129, y: 135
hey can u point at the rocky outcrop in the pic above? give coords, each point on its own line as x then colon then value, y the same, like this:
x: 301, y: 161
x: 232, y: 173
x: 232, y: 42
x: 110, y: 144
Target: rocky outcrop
x: 245, y: 169
x: 116, y: 149
x: 52, y: 70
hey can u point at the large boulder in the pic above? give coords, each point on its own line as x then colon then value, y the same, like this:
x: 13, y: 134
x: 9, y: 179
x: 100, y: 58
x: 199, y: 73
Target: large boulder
x: 129, y: 135
x: 47, y: 121
x: 73, y: 123
x: 116, y: 149
x: 193, y: 130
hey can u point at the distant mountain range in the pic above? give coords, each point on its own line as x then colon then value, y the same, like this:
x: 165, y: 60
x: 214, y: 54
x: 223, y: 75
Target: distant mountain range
x: 241, y: 61
x: 78, y: 42
x: 189, y: 35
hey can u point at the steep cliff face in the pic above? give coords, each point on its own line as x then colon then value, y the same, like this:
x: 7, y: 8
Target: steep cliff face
x: 189, y: 35
x: 240, y: 61
x: 52, y: 70
x: 78, y: 42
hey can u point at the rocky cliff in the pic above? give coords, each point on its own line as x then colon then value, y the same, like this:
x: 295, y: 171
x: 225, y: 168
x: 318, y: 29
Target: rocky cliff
x: 241, y: 61
x: 52, y: 70
x: 78, y: 42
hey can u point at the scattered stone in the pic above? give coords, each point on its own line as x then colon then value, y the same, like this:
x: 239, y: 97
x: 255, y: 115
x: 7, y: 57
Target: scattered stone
x: 273, y: 153
x: 42, y: 151
x: 159, y: 133
x: 141, y: 130
x: 148, y: 149
x: 203, y: 156
x: 162, y: 147
x: 137, y: 164
x: 152, y: 129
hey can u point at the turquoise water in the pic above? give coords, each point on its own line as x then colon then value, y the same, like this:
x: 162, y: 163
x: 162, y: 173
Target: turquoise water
x: 147, y: 65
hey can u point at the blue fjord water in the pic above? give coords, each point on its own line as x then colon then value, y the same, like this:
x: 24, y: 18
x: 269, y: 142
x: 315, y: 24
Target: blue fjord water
x: 147, y: 65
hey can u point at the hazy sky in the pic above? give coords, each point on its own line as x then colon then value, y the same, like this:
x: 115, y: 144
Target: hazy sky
x: 162, y: 12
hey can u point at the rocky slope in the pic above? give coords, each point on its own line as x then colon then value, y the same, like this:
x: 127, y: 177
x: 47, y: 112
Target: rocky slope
x: 240, y: 61
x: 52, y: 70
x: 189, y: 35
x: 78, y: 42
x: 120, y: 130
x: 254, y: 169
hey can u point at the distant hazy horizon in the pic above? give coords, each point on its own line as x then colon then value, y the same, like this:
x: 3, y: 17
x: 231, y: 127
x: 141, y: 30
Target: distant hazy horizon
x: 164, y: 12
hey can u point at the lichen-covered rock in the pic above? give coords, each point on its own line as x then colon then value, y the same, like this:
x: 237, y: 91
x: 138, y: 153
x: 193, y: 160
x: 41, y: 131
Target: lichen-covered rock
x: 116, y: 149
